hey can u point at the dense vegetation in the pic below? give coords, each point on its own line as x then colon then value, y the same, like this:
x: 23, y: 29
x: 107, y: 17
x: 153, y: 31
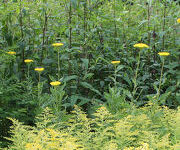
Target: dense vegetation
x: 148, y: 128
x: 59, y: 54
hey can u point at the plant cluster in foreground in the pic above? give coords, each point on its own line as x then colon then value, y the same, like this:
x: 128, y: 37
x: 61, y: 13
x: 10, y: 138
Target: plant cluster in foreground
x: 149, y: 128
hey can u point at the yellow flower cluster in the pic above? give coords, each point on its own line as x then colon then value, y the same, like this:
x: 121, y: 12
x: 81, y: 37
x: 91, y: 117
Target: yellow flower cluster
x: 28, y: 60
x: 178, y: 20
x: 12, y: 53
x: 102, y: 112
x: 164, y: 53
x: 34, y: 146
x: 141, y: 45
x: 115, y: 62
x: 145, y: 146
x: 39, y: 69
x: 57, y: 44
x: 56, y: 83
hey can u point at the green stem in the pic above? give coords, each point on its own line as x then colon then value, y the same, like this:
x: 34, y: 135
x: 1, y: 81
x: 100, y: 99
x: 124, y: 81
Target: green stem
x: 39, y: 88
x: 39, y: 77
x: 136, y: 74
x: 28, y: 70
x: 115, y: 76
x: 56, y: 101
x: 58, y: 67
x: 160, y: 79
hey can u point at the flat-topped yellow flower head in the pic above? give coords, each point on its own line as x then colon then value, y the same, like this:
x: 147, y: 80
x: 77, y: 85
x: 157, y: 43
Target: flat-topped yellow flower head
x: 163, y: 53
x: 39, y: 69
x: 57, y: 44
x: 115, y: 62
x: 178, y: 20
x: 141, y: 45
x: 55, y: 83
x: 11, y: 53
x: 28, y: 61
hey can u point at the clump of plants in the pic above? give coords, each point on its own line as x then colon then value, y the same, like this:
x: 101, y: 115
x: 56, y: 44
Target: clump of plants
x: 150, y: 127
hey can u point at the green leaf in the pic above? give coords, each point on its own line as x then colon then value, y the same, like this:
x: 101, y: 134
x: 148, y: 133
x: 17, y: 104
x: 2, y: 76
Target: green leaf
x: 120, y: 67
x: 126, y: 78
x: 88, y: 76
x: 89, y: 86
x: 85, y: 62
x: 47, y: 61
x: 83, y: 100
x: 75, y: 98
x: 163, y: 97
x: 68, y: 78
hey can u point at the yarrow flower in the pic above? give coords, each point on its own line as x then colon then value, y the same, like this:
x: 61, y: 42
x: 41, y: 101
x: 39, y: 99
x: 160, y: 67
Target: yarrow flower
x: 141, y: 45
x: 163, y: 53
x: 28, y: 60
x: 178, y: 20
x: 55, y: 83
x: 115, y: 62
x: 39, y: 69
x: 57, y: 44
x: 12, y: 53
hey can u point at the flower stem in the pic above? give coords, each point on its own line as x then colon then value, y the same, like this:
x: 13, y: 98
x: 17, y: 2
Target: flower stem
x: 39, y: 88
x: 39, y: 77
x: 57, y: 105
x: 58, y: 66
x: 136, y: 74
x: 115, y: 76
x: 160, y: 79
x: 28, y: 70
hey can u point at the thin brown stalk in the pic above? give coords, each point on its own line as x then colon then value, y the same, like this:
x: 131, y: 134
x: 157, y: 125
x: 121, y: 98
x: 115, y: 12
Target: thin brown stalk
x: 85, y: 28
x: 148, y: 17
x: 164, y: 24
x: 70, y: 41
x: 70, y: 26
x: 115, y: 26
x: 22, y: 39
x: 44, y: 35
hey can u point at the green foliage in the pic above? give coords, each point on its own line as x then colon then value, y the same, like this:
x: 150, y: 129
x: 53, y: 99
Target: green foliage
x: 55, y: 100
x: 116, y: 100
x: 17, y: 100
x: 150, y: 127
x: 94, y: 33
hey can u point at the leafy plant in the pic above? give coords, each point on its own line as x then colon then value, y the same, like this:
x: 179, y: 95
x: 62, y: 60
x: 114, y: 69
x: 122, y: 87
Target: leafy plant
x: 150, y: 127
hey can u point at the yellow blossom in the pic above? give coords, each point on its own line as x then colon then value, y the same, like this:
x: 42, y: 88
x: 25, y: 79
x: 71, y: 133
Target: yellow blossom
x: 57, y: 44
x: 39, y: 69
x: 141, y: 45
x: 178, y: 20
x: 12, y: 53
x: 164, y: 53
x: 28, y: 60
x: 115, y: 62
x: 56, y: 83
x: 29, y: 145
